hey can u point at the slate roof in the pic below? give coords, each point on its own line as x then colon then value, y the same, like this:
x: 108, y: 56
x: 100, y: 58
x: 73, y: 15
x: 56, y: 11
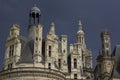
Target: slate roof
x: 116, y: 74
x: 27, y: 49
x: 116, y: 55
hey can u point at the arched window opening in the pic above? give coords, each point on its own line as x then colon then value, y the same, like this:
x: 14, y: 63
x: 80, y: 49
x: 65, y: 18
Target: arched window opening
x: 11, y: 50
x: 75, y: 63
x: 49, y: 52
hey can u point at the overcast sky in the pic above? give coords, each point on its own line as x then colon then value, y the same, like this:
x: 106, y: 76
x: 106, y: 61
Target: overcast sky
x: 96, y: 15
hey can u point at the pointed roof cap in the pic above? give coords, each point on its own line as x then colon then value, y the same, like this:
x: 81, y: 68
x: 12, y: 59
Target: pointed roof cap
x: 52, y: 28
x: 35, y: 9
x: 15, y: 26
x: 80, y: 31
x: 52, y: 24
x: 80, y: 25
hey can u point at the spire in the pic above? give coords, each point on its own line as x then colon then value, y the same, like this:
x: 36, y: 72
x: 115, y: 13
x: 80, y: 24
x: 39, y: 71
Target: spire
x: 80, y: 31
x: 106, y: 44
x: 80, y: 34
x: 52, y: 28
x: 80, y: 25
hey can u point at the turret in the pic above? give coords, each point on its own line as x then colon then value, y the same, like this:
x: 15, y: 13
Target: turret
x: 105, y: 61
x: 34, y: 20
x: 64, y: 54
x: 51, y: 48
x: 52, y: 28
x: 14, y: 31
x: 34, y: 15
x: 37, y: 56
x: 13, y: 47
x: 35, y: 30
x: 106, y: 46
x: 80, y: 34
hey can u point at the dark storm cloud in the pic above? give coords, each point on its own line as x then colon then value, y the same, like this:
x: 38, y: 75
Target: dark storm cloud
x: 96, y: 15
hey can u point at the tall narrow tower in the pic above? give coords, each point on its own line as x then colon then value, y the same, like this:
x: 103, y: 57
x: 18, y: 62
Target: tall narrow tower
x: 51, y: 48
x: 105, y: 61
x: 35, y: 34
x: 13, y: 47
x: 63, y: 61
x: 80, y: 35
x: 106, y: 46
x: 78, y: 55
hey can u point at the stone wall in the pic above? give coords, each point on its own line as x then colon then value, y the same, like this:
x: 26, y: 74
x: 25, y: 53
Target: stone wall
x: 33, y: 73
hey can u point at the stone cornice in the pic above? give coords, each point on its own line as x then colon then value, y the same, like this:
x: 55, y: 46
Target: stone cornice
x: 32, y: 71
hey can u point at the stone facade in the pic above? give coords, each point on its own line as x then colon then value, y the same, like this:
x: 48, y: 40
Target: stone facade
x: 107, y: 67
x: 33, y: 57
x: 31, y: 73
